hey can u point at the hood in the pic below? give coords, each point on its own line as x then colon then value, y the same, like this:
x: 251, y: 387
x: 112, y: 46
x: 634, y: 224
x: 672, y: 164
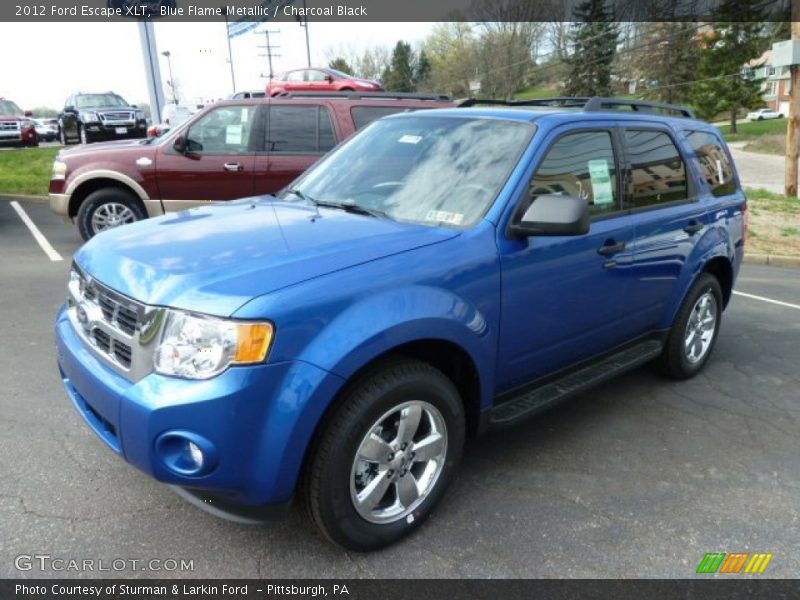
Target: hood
x: 216, y: 258
x: 104, y: 147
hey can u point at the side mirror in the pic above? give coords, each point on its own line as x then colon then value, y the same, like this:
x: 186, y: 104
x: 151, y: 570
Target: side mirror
x: 551, y: 214
x: 134, y: 106
x: 180, y: 145
x: 329, y: 78
x: 28, y: 113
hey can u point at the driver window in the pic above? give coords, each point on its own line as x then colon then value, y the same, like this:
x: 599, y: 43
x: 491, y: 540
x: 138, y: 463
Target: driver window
x: 225, y: 130
x: 580, y: 164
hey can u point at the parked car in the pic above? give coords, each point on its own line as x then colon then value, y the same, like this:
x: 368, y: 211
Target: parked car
x: 172, y: 116
x: 319, y: 80
x: 442, y: 273
x: 90, y: 117
x: 763, y: 114
x: 16, y: 126
x: 46, y: 129
x: 248, y: 94
x: 229, y: 150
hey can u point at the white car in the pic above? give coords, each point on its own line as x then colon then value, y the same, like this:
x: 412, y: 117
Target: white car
x: 46, y: 129
x: 764, y: 113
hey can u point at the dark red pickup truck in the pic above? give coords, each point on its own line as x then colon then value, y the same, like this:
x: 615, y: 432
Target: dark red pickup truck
x: 232, y: 149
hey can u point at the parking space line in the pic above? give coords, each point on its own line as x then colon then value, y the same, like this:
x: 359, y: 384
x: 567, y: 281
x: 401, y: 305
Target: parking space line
x: 37, y: 235
x: 770, y: 300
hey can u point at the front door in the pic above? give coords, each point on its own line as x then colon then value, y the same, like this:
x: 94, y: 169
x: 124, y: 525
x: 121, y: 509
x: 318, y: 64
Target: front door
x: 564, y: 298
x: 218, y: 162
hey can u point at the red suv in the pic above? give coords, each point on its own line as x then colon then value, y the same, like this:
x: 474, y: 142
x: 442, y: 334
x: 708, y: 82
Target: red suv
x: 16, y: 126
x: 232, y: 149
x: 319, y: 80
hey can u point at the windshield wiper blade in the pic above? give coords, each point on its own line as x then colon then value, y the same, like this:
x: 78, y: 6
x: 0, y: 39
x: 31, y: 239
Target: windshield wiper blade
x: 352, y: 207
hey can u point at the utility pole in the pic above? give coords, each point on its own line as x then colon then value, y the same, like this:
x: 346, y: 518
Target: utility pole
x: 230, y: 52
x: 304, y: 24
x: 793, y: 123
x: 270, y: 54
x: 171, y: 81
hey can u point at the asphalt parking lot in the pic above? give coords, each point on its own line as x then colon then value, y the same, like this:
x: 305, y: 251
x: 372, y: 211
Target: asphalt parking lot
x: 638, y: 478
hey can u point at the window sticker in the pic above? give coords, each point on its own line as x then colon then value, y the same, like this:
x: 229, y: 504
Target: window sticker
x: 719, y: 171
x: 410, y: 139
x: 233, y: 135
x: 444, y: 216
x: 600, y: 176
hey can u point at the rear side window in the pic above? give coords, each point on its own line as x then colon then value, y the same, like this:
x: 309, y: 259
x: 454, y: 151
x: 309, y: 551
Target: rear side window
x: 580, y: 164
x: 364, y: 115
x: 658, y: 173
x: 713, y: 162
x: 299, y: 130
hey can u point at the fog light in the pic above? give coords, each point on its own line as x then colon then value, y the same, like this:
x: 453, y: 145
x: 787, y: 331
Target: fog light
x: 186, y: 453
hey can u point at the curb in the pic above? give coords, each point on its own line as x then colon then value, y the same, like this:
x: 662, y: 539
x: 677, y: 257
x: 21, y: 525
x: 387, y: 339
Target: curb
x: 773, y: 260
x: 26, y: 198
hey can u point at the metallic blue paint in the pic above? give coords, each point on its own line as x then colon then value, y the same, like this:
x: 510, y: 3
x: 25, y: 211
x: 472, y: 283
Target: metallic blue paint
x: 343, y: 289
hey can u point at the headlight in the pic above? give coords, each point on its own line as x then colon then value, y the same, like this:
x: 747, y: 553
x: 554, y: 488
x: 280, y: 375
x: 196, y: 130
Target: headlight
x: 59, y: 170
x: 199, y: 347
x: 139, y: 115
x: 90, y: 116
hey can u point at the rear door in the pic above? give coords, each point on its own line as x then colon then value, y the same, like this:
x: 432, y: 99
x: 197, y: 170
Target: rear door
x: 219, y: 161
x: 668, y: 218
x: 297, y: 135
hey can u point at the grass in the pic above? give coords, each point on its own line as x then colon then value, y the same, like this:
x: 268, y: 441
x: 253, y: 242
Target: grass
x: 748, y: 131
x: 768, y: 144
x: 534, y: 92
x: 774, y: 223
x: 26, y: 170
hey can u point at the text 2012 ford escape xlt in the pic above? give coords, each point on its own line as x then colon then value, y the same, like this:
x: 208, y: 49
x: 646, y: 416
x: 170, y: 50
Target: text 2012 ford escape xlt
x: 440, y: 274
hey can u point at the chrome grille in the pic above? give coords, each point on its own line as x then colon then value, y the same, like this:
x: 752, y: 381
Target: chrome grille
x: 9, y: 125
x: 117, y: 117
x: 119, y: 330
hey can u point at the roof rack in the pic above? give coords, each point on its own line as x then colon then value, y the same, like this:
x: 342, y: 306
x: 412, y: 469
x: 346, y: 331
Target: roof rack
x: 362, y: 95
x: 594, y: 104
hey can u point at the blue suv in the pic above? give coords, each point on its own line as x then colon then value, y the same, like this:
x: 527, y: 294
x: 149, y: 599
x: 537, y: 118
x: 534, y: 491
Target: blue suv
x: 441, y: 274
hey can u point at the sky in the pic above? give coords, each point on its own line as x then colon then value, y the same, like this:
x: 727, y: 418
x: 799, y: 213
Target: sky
x: 56, y: 59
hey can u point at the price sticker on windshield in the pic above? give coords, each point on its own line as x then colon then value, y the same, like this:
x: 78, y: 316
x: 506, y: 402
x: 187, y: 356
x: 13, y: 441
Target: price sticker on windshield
x: 410, y: 139
x: 444, y: 216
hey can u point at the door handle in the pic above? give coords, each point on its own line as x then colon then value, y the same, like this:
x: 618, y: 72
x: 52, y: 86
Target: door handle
x: 693, y: 227
x: 611, y: 248
x: 233, y: 167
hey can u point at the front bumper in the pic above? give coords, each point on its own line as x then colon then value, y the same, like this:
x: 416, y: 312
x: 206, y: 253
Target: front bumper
x: 260, y: 420
x: 59, y: 204
x: 114, y: 130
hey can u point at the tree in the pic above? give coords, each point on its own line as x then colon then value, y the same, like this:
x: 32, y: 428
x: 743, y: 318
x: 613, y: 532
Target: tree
x: 422, y: 69
x: 723, y: 84
x: 666, y: 59
x: 399, y: 75
x: 452, y: 49
x: 43, y: 112
x: 594, y: 45
x: 340, y: 64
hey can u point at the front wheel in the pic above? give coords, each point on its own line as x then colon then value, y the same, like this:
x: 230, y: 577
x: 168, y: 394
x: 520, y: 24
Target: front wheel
x: 386, y: 456
x: 694, y: 332
x: 107, y: 208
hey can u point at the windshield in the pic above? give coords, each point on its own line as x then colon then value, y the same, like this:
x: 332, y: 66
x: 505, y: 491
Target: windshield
x: 429, y: 170
x: 96, y: 100
x: 9, y: 109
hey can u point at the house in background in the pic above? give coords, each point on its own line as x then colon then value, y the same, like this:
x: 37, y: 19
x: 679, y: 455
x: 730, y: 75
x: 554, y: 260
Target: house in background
x: 776, y: 84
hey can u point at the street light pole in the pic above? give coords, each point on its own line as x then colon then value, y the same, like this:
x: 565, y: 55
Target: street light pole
x: 305, y: 24
x: 168, y: 54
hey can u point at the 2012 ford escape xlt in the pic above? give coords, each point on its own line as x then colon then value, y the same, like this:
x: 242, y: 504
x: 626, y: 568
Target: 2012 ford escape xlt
x: 438, y: 275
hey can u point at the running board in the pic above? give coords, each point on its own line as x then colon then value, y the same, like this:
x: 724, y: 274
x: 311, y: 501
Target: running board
x: 536, y: 400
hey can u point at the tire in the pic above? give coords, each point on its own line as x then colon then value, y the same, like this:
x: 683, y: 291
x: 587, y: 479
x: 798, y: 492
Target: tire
x: 335, y: 474
x: 109, y: 202
x: 62, y: 137
x: 677, y: 360
x: 84, y: 136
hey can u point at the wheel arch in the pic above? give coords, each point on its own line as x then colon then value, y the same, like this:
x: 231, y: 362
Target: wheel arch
x: 96, y: 180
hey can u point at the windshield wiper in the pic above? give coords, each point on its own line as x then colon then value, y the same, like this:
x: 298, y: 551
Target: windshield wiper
x: 302, y: 196
x: 352, y: 207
